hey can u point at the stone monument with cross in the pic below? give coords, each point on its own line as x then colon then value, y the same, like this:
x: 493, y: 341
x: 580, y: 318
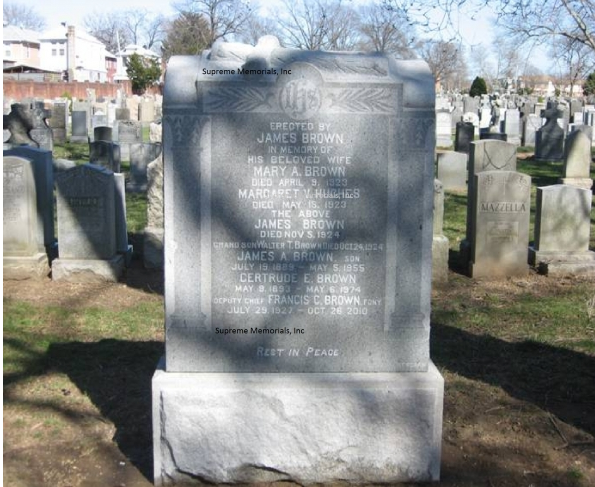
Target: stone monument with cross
x: 549, y: 139
x: 298, y: 193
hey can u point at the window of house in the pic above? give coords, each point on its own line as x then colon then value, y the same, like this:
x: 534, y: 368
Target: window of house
x: 61, y: 52
x: 54, y: 52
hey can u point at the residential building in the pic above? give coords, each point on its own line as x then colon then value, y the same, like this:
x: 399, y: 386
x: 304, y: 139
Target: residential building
x: 21, y: 47
x: 71, y: 50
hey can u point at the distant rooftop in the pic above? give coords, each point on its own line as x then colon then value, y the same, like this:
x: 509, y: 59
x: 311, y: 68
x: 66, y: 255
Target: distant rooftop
x: 12, y: 33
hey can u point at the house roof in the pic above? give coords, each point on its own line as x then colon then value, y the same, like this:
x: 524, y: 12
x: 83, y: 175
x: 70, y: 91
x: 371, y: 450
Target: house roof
x: 136, y: 49
x: 12, y: 33
x: 24, y: 67
x: 59, y: 33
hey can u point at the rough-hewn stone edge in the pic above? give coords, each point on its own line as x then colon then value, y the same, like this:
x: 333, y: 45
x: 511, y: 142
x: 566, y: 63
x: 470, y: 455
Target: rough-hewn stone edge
x: 78, y: 270
x: 21, y: 268
x: 316, y: 389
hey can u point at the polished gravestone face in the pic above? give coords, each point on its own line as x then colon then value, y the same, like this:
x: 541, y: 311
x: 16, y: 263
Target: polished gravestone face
x: 86, y: 213
x: 299, y: 203
x: 501, y: 207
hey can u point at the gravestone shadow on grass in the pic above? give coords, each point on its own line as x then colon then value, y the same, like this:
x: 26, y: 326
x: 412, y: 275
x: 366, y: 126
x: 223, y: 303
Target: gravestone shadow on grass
x: 116, y: 376
x: 555, y: 379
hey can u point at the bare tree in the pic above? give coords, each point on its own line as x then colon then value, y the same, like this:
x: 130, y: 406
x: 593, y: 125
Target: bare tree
x: 143, y: 28
x: 574, y: 60
x: 318, y: 24
x: 23, y: 16
x: 446, y: 61
x: 109, y: 28
x: 225, y: 18
x: 256, y: 27
x: 544, y: 21
x: 385, y: 28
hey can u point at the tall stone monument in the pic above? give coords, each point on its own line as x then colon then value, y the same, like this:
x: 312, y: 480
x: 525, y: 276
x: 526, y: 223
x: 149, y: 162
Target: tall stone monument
x: 298, y: 236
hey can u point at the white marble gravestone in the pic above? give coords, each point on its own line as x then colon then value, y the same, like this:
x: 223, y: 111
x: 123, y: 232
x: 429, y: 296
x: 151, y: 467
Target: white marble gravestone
x: 298, y: 235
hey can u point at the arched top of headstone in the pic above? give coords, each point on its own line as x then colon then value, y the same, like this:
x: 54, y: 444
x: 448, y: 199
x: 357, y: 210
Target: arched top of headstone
x: 267, y: 65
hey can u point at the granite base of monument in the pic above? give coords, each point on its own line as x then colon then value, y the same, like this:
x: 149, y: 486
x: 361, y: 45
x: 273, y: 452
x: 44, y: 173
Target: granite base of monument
x: 303, y: 428
x: 559, y: 263
x: 25, y: 267
x: 88, y: 270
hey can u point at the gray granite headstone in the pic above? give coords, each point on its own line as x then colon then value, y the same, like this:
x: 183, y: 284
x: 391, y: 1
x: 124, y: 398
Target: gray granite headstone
x: 153, y: 236
x: 443, y: 128
x: 485, y: 155
x: 140, y: 157
x: 86, y: 225
x: 452, y: 170
x: 105, y: 154
x: 562, y: 231
x: 500, y: 239
x: 80, y: 131
x: 298, y: 239
x: 129, y: 132
x: 102, y: 133
x: 58, y: 121
x: 531, y: 124
x: 42, y: 166
x: 23, y: 250
x: 577, y: 160
x: 122, y: 114
x: 464, y: 135
x: 549, y: 139
x: 512, y: 126
x: 440, y: 245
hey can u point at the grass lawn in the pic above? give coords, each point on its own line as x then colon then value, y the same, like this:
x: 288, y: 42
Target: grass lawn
x: 518, y: 357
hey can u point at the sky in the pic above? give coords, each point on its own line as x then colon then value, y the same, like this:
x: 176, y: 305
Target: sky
x: 478, y: 32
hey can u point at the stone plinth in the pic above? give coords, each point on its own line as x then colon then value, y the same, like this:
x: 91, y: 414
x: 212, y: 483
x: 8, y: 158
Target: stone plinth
x: 302, y: 428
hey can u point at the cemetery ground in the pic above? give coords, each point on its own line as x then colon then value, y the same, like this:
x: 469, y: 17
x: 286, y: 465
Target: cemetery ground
x: 517, y: 355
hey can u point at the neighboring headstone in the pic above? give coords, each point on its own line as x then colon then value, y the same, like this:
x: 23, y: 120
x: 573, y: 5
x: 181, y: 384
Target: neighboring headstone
x: 122, y: 114
x: 102, y: 133
x: 443, y: 128
x: 146, y: 110
x: 155, y: 133
x: 41, y: 163
x: 122, y: 246
x: 452, y: 170
x: 87, y: 226
x: 440, y: 245
x: 577, y: 160
x: 465, y: 134
x: 99, y: 120
x: 24, y: 255
x: 79, y: 127
x: 531, y: 124
x: 153, y: 236
x: 562, y: 231
x: 129, y: 132
x: 512, y: 126
x: 19, y: 122
x: 140, y: 157
x: 105, y: 154
x: 298, y: 207
x: 84, y: 106
x: 58, y: 121
x: 549, y: 139
x: 500, y: 218
x: 485, y: 155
